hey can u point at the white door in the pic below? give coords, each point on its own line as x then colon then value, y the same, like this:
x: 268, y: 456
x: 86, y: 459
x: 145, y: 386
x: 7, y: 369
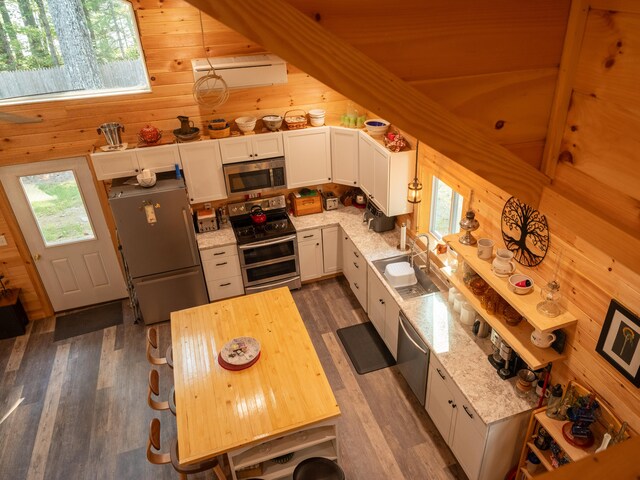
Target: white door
x: 60, y: 216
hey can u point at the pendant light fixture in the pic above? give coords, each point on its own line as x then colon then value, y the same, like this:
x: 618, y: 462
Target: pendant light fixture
x: 414, y: 192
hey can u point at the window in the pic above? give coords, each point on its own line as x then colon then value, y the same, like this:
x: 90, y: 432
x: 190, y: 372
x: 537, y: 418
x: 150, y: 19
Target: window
x: 60, y: 49
x: 446, y: 209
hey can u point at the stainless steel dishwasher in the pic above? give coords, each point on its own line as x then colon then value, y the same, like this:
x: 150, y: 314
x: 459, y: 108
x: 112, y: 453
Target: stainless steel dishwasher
x: 413, y: 358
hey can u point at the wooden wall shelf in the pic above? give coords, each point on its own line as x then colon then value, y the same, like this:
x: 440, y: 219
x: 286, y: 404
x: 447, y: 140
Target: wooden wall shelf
x: 524, y: 304
x: 518, y: 337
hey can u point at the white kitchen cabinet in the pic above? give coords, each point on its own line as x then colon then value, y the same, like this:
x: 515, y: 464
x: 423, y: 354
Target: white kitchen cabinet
x: 331, y: 249
x: 344, y: 156
x: 310, y: 254
x: 222, y: 272
x: 307, y: 154
x: 383, y: 312
x: 251, y: 147
x: 384, y: 175
x: 484, y: 451
x: 128, y: 163
x: 202, y: 167
x: 354, y: 267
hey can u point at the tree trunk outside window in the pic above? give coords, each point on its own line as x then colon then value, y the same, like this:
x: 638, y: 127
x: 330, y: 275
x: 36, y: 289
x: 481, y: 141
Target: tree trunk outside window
x: 6, y: 55
x: 9, y: 28
x: 38, y: 53
x: 80, y: 62
x: 42, y: 13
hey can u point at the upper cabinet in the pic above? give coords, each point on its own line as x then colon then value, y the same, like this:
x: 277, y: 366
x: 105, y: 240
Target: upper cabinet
x: 251, y: 147
x: 203, y: 174
x: 344, y: 156
x: 127, y: 163
x: 307, y: 153
x: 384, y: 175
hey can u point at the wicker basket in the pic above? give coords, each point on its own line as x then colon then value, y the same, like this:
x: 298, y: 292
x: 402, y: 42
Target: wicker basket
x: 295, y: 122
x: 219, y: 133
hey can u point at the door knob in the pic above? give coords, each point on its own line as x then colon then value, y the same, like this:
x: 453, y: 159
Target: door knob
x: 37, y: 257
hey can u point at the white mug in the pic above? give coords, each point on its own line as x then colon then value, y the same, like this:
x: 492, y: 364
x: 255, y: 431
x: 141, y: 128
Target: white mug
x: 485, y: 248
x: 542, y: 339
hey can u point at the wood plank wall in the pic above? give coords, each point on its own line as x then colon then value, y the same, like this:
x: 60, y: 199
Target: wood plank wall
x: 598, y: 157
x: 171, y: 37
x: 588, y: 280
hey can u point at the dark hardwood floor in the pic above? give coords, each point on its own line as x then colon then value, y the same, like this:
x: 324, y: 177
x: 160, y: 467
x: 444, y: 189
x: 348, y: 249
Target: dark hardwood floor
x: 84, y: 413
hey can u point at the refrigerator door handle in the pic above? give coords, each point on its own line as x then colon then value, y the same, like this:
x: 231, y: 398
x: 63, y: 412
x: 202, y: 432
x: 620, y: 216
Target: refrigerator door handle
x: 189, y: 227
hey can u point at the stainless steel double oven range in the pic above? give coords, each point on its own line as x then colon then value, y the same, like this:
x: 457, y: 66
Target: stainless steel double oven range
x: 267, y: 248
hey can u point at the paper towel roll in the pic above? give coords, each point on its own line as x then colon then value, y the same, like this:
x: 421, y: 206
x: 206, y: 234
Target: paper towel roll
x: 403, y: 237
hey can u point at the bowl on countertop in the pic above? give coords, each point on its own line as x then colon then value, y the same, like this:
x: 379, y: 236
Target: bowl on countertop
x: 376, y: 126
x: 246, y: 124
x: 520, y: 284
x: 272, y: 122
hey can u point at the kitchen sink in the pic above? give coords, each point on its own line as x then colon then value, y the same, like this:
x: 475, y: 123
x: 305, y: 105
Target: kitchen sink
x: 427, y: 283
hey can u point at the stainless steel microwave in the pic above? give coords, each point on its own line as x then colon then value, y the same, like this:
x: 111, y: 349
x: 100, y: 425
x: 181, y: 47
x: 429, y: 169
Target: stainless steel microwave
x: 255, y: 176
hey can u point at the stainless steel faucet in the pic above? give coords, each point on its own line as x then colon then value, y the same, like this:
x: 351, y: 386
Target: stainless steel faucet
x: 420, y: 252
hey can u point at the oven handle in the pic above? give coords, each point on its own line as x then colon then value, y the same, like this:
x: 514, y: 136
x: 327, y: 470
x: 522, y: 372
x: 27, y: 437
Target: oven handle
x: 266, y: 243
x: 274, y: 284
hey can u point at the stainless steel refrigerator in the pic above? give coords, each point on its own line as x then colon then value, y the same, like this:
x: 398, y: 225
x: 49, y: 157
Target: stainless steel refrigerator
x: 157, y: 238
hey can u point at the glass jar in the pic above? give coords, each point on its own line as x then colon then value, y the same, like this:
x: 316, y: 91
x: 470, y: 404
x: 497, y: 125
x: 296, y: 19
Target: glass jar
x: 555, y: 402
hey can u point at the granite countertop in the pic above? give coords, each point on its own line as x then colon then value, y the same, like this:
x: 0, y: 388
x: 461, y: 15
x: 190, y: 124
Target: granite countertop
x: 217, y: 238
x: 462, y: 354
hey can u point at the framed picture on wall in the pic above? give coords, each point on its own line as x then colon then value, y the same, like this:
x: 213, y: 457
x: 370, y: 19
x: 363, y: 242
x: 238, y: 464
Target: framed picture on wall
x: 619, y: 341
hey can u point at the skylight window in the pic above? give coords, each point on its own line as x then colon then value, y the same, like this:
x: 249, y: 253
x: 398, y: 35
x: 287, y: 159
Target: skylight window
x: 59, y: 49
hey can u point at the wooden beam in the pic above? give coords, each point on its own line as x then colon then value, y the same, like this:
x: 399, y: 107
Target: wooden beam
x: 629, y: 6
x: 287, y: 32
x: 564, y: 85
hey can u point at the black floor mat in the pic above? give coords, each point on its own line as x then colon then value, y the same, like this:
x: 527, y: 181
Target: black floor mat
x: 88, y: 320
x: 365, y: 348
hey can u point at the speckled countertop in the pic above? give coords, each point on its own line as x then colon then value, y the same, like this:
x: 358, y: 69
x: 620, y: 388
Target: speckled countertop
x: 462, y: 354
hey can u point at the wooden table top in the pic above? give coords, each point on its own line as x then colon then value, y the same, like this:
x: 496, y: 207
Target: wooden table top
x: 219, y: 410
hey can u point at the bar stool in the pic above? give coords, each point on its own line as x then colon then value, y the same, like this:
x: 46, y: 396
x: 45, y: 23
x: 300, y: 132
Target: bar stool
x: 153, y: 443
x: 154, y: 390
x: 152, y: 343
x: 318, y: 468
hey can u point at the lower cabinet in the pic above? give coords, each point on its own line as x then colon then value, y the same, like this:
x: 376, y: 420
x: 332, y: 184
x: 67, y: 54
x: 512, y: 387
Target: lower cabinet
x: 258, y: 461
x: 484, y: 451
x: 354, y: 267
x: 331, y: 249
x: 310, y: 254
x: 383, y: 312
x: 222, y: 272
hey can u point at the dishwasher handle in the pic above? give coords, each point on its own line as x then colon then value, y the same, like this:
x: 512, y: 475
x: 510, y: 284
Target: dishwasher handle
x: 408, y: 335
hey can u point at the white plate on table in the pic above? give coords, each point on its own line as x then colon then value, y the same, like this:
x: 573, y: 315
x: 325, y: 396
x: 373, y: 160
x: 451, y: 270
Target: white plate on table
x: 240, y: 351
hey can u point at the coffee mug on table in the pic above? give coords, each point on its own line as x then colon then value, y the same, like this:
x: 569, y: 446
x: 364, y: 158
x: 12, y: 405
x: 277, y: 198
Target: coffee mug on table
x: 542, y: 339
x: 485, y: 248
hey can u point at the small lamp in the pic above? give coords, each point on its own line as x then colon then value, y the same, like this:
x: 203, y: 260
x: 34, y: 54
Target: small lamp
x: 469, y: 224
x: 414, y: 192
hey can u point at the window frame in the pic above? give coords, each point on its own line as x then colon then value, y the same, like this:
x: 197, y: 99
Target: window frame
x: 86, y: 94
x: 455, y: 209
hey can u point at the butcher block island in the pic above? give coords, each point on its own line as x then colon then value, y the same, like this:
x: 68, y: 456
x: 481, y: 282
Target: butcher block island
x: 280, y: 405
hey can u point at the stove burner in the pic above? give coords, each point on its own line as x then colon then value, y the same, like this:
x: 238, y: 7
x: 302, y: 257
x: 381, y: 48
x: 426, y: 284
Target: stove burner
x: 277, y: 224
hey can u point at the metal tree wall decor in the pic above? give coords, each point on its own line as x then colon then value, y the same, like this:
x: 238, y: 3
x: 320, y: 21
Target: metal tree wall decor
x: 525, y: 232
